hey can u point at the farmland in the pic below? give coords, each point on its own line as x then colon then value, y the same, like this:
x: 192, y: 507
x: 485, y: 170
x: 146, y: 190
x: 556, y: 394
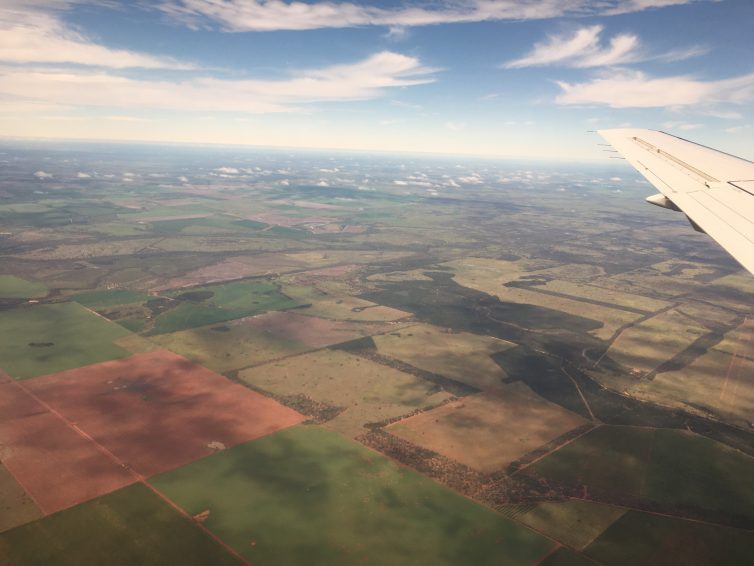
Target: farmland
x: 357, y: 497
x: 536, y: 370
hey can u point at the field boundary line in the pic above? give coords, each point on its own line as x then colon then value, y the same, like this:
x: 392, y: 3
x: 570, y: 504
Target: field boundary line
x: 139, y: 478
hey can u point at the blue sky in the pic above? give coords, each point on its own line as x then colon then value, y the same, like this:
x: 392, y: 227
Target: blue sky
x: 489, y: 77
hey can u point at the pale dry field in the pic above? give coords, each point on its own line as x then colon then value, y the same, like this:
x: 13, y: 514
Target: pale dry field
x: 720, y: 382
x: 488, y: 431
x: 370, y: 392
x: 461, y: 356
x: 647, y: 345
x: 616, y: 298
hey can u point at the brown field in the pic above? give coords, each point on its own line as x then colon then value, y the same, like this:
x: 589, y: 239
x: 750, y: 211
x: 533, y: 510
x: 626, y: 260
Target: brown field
x: 233, y: 268
x: 368, y: 392
x: 158, y: 411
x: 489, y: 431
x: 259, y: 339
x: 312, y: 332
x: 460, y: 356
x: 353, y: 308
x: 288, y: 221
x: 40, y: 449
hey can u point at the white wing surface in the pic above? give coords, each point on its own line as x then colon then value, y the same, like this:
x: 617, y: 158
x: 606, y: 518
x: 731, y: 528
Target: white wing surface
x: 714, y: 189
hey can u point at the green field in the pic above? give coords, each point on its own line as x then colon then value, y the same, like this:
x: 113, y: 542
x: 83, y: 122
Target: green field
x: 109, y: 298
x: 641, y: 538
x: 16, y: 507
x: 222, y: 302
x: 12, y: 287
x: 318, y: 498
x: 608, y: 458
x: 693, y: 470
x: 572, y: 522
x: 672, y: 467
x: 49, y: 338
x: 129, y: 526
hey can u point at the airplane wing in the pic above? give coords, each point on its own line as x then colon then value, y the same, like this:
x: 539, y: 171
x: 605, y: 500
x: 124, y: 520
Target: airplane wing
x: 714, y: 189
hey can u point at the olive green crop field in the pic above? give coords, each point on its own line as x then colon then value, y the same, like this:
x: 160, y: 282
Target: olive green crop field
x: 45, y: 339
x: 129, y: 526
x: 321, y: 499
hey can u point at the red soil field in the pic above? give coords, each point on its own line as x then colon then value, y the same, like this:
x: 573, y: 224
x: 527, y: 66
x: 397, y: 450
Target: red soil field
x: 157, y: 411
x: 56, y: 465
x: 312, y: 331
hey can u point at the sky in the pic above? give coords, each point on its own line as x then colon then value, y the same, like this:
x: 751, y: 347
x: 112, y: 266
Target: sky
x: 485, y: 77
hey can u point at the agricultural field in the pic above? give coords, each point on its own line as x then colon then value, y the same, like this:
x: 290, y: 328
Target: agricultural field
x: 640, y: 538
x: 305, y: 482
x: 12, y: 287
x: 157, y: 411
x: 461, y: 356
x: 717, y: 383
x: 172, y: 311
x: 669, y: 467
x: 573, y: 522
x: 489, y: 431
x: 50, y: 338
x: 347, y: 358
x: 16, y: 507
x: 643, y: 347
x: 255, y: 340
x: 129, y: 526
x: 359, y: 390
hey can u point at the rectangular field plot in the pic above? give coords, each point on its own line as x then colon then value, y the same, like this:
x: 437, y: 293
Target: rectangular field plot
x: 460, y: 356
x: 353, y: 308
x: 54, y: 463
x: 489, y: 431
x: 44, y: 339
x: 362, y: 390
x: 255, y: 340
x: 16, y: 506
x: 173, y: 311
x: 670, y: 467
x: 129, y: 526
x: 157, y: 411
x: 12, y: 287
x: 572, y: 522
x: 641, y: 538
x: 716, y: 382
x: 318, y: 498
x: 645, y: 346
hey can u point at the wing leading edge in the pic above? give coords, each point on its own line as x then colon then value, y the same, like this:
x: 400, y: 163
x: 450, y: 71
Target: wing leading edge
x: 714, y: 189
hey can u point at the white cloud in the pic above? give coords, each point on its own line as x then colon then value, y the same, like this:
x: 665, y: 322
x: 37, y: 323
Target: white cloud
x: 634, y: 89
x: 82, y: 175
x: 738, y: 129
x: 455, y: 126
x: 269, y: 15
x: 683, y: 126
x: 583, y: 48
x: 363, y: 80
x: 29, y: 35
x: 227, y: 170
x: 42, y: 175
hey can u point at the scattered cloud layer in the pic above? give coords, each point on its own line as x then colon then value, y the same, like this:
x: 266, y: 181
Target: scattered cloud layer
x: 584, y: 48
x: 271, y: 15
x: 29, y: 35
x: 366, y: 79
x: 635, y: 89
